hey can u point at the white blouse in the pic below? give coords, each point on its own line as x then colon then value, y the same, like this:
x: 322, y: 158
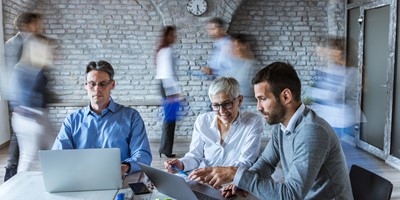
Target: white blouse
x: 166, y: 71
x: 241, y: 146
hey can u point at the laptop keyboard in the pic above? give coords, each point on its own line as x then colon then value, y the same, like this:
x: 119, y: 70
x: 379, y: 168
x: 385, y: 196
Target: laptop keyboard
x: 202, y: 196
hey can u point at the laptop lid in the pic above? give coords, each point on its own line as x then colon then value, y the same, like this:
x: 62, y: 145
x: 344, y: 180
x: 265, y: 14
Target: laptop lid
x: 81, y: 169
x: 175, y: 186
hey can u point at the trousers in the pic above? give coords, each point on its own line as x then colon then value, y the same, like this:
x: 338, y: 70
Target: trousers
x: 167, y: 137
x: 33, y: 134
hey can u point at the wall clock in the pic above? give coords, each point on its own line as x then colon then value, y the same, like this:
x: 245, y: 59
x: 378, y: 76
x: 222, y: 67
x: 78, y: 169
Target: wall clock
x: 197, y: 7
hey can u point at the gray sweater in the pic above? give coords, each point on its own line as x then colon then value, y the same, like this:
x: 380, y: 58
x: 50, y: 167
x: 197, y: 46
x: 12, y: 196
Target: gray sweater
x: 312, y: 160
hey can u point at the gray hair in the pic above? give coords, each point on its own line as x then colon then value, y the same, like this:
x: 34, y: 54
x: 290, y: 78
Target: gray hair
x: 228, y: 85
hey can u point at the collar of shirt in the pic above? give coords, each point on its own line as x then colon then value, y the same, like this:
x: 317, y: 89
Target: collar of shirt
x: 219, y: 43
x: 111, y: 107
x: 215, y: 125
x: 25, y: 34
x: 292, y: 122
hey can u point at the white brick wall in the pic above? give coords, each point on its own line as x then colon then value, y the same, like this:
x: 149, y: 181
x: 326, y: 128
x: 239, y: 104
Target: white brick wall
x: 125, y: 33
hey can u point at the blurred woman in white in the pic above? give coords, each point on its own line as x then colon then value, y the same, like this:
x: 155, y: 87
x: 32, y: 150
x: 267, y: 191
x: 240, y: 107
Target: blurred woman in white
x: 29, y: 118
x: 169, y: 87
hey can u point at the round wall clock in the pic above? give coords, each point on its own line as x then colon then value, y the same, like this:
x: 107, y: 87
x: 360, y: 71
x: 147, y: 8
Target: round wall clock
x: 197, y: 7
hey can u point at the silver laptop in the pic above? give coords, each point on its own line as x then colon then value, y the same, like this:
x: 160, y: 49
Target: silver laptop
x: 81, y: 169
x: 176, y: 187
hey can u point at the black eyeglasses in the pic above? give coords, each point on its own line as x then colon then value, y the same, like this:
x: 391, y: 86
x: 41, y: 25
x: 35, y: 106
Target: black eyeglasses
x: 226, y: 105
x: 102, y: 84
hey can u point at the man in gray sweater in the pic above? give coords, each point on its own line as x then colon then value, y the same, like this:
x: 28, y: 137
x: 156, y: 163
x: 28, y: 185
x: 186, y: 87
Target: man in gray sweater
x: 310, y: 152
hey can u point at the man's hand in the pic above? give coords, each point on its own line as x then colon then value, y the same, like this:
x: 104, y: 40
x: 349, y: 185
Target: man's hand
x: 215, y: 176
x: 124, y: 169
x: 168, y: 165
x: 207, y: 70
x: 232, y: 190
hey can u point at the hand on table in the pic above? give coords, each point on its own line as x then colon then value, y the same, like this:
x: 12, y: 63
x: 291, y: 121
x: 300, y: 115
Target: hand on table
x: 231, y: 190
x: 214, y: 176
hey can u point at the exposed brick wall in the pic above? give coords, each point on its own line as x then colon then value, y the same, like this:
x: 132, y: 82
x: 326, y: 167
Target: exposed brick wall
x: 125, y: 33
x: 284, y: 30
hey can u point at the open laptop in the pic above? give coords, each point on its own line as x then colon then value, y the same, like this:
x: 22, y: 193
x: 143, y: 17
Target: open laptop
x: 81, y: 169
x: 176, y: 187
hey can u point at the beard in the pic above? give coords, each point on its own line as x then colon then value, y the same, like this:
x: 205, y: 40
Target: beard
x: 277, y: 114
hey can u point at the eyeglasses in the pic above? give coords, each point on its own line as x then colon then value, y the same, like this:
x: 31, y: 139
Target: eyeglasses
x: 102, y: 84
x: 226, y: 105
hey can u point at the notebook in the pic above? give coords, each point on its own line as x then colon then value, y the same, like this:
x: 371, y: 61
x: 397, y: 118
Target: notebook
x: 81, y: 169
x: 176, y: 186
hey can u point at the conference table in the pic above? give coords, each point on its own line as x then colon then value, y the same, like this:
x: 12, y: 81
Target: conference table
x: 29, y: 185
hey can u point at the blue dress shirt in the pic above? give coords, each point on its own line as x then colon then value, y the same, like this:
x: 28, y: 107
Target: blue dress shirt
x: 117, y: 127
x: 221, y: 56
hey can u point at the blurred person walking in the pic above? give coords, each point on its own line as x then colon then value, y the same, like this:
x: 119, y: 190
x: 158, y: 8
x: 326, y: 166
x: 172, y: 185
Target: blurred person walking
x: 26, y: 24
x: 29, y: 117
x: 242, y: 65
x: 170, y: 91
x: 335, y: 94
x: 219, y: 62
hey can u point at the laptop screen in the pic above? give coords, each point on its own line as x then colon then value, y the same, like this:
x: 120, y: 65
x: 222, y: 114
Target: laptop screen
x: 81, y: 169
x: 176, y: 187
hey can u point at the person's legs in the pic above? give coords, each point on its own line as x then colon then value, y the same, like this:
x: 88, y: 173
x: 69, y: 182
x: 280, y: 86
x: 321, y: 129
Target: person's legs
x: 347, y: 130
x: 339, y: 131
x: 13, y: 157
x: 350, y: 130
x: 30, y: 133
x: 167, y: 138
x: 13, y: 151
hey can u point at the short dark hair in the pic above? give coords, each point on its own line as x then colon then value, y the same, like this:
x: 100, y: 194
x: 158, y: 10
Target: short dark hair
x: 26, y: 18
x: 334, y: 42
x: 217, y: 21
x: 279, y: 76
x: 100, y: 65
x: 241, y: 38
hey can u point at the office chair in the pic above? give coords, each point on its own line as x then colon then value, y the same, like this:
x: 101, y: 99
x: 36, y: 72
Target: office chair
x: 367, y: 185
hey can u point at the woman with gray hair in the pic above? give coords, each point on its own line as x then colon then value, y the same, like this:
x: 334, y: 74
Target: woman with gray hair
x: 224, y: 137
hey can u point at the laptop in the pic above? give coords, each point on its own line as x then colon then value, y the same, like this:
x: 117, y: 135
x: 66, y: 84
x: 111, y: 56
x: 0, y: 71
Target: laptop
x: 81, y: 169
x: 176, y: 186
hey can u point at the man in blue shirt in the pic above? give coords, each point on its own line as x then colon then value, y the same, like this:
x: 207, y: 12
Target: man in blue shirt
x: 104, y: 123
